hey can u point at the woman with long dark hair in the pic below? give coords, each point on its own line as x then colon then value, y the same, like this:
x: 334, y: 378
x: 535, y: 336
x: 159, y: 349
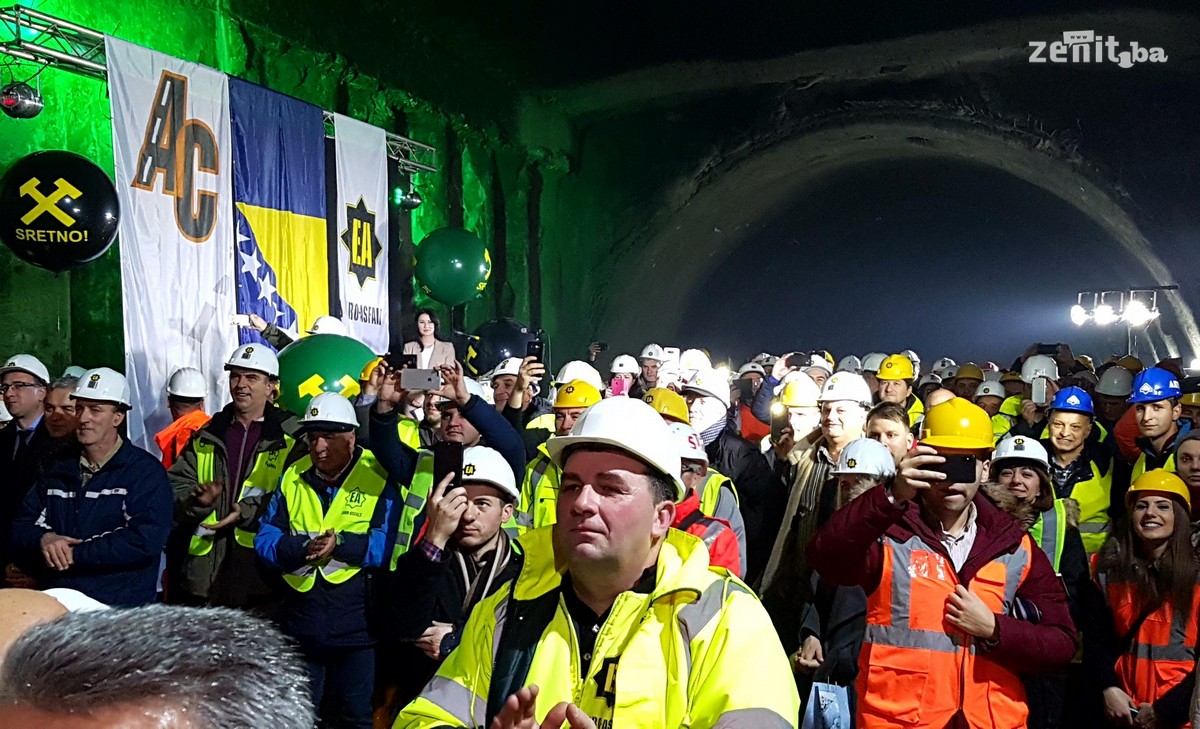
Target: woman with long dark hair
x: 430, y: 350
x: 1141, y: 653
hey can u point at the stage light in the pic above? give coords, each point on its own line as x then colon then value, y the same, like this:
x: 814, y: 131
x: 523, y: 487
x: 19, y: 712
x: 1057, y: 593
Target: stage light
x: 406, y: 199
x: 20, y: 100
x: 1079, y: 315
x: 1104, y: 315
x: 1137, y: 314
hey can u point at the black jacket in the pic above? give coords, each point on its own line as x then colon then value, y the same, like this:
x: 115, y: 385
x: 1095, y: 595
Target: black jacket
x: 18, y: 474
x: 733, y: 456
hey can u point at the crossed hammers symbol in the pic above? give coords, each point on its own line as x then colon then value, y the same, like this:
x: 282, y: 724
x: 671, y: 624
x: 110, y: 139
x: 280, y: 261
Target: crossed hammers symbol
x: 49, y: 203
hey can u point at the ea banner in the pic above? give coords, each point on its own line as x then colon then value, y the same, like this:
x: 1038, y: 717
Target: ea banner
x: 171, y: 141
x: 361, y: 228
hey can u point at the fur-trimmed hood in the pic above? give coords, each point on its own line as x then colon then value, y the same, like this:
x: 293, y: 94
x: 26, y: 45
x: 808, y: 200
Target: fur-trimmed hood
x: 1023, y: 512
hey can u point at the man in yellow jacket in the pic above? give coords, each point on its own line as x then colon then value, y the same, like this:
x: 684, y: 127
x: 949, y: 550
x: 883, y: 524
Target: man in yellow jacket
x: 616, y: 620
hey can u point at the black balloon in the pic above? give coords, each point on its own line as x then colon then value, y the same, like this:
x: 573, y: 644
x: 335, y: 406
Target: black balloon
x: 58, y: 210
x: 494, y: 342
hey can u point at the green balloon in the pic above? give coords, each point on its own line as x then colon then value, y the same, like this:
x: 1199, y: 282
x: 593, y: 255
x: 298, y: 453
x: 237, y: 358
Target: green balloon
x: 320, y: 363
x: 453, y: 266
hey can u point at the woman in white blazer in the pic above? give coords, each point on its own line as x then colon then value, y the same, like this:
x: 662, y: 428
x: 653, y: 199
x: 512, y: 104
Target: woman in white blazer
x: 431, y: 351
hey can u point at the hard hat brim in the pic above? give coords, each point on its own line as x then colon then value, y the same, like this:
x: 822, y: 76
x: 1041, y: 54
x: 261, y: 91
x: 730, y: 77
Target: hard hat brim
x: 558, y: 446
x: 328, y: 426
x: 42, y: 380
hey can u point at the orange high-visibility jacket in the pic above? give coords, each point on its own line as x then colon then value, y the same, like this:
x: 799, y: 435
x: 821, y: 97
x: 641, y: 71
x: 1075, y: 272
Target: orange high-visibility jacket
x: 1164, y: 650
x: 915, y: 669
x: 172, y: 439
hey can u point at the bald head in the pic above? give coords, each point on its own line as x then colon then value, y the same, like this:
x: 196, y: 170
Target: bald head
x: 20, y: 610
x: 937, y: 397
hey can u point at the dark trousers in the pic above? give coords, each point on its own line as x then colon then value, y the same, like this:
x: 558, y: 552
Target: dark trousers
x: 342, y: 680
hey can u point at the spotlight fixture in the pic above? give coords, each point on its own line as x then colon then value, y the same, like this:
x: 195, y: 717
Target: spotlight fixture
x: 1079, y: 315
x: 407, y: 199
x: 19, y: 100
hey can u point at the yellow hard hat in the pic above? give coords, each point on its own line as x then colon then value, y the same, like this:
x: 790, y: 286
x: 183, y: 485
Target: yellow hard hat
x: 1131, y: 363
x: 970, y: 371
x: 1086, y: 361
x: 1012, y: 376
x: 800, y: 392
x: 957, y: 423
x: 576, y: 394
x: 369, y: 368
x: 1162, y: 482
x: 895, y: 367
x: 1190, y: 398
x: 667, y: 403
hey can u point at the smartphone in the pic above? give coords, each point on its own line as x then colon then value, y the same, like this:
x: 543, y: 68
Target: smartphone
x: 414, y: 379
x: 779, y: 420
x: 536, y: 349
x: 958, y: 468
x: 448, y: 458
x: 241, y: 320
x: 401, y: 361
x: 619, y: 386
x: 1050, y: 349
x: 797, y: 360
x: 602, y: 346
x: 1039, y: 394
x: 745, y: 389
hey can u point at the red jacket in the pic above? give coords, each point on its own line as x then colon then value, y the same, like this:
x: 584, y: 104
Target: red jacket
x: 847, y: 551
x: 722, y: 543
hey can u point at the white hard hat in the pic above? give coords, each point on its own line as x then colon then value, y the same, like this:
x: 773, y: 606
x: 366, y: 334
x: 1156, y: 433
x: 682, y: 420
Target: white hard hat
x: 873, y: 361
x: 329, y: 411
x: 1019, y: 447
x: 484, y: 464
x: 631, y: 425
x: 846, y: 386
x: 709, y: 383
x: 74, y: 371
x: 943, y: 363
x: 510, y: 366
x: 104, y: 385
x: 623, y: 364
x: 988, y: 388
x: 476, y: 387
x: 691, y: 447
x: 5, y: 416
x: 850, y: 363
x: 992, y: 375
x: 577, y: 369
x: 912, y: 357
x: 257, y: 357
x: 654, y: 352
x: 1115, y: 382
x: 668, y: 373
x: 929, y: 378
x: 328, y: 325
x: 28, y: 364
x: 948, y: 373
x: 1039, y: 365
x: 751, y: 367
x: 865, y: 457
x: 819, y: 362
x: 694, y: 359
x: 74, y: 600
x: 762, y: 358
x: 187, y: 382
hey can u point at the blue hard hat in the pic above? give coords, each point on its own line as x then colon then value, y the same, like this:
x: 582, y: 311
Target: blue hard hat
x: 1154, y: 384
x: 1073, y: 400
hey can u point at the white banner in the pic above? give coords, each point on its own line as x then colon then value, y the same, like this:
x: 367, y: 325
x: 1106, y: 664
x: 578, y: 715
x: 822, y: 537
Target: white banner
x: 174, y: 176
x: 362, y: 230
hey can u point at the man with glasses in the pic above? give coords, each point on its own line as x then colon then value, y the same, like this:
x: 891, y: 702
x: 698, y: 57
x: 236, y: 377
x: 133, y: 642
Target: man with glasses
x: 25, y: 440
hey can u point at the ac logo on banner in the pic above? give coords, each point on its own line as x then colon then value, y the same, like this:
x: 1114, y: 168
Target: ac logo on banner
x: 176, y: 148
x: 360, y: 239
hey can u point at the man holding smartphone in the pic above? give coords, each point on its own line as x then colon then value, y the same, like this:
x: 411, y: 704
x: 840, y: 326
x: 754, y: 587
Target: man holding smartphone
x: 947, y: 575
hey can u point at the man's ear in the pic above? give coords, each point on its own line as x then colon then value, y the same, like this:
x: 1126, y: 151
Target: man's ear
x: 664, y: 517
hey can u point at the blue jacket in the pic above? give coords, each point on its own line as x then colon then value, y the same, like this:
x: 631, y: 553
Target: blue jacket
x: 123, y: 516
x: 328, y: 615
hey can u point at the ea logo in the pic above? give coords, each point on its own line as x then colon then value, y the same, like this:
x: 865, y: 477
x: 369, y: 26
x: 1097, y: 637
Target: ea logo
x: 469, y: 469
x: 314, y: 412
x: 852, y: 463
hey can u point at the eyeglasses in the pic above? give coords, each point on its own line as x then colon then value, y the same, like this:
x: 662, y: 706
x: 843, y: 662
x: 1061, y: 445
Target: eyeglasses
x: 695, y: 468
x: 18, y: 386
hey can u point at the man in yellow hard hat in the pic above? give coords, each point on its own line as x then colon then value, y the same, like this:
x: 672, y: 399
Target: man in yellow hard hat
x: 667, y: 403
x: 539, y: 489
x: 967, y: 381
x: 941, y: 576
x: 896, y: 376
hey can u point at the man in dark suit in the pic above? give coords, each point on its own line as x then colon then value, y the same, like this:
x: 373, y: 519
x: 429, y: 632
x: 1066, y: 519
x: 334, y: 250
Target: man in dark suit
x: 24, y: 442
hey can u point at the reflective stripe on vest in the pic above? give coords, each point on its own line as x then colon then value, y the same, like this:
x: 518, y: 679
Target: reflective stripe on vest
x: 710, y: 492
x: 409, y: 431
x: 350, y: 512
x: 539, y: 493
x: 1094, y: 497
x: 262, y: 480
x: 1050, y: 531
x: 1163, y: 651
x: 1140, y: 466
x: 915, y: 668
x: 415, y: 497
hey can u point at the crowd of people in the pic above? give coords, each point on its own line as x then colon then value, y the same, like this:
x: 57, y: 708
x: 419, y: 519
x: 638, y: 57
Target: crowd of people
x: 664, y: 542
